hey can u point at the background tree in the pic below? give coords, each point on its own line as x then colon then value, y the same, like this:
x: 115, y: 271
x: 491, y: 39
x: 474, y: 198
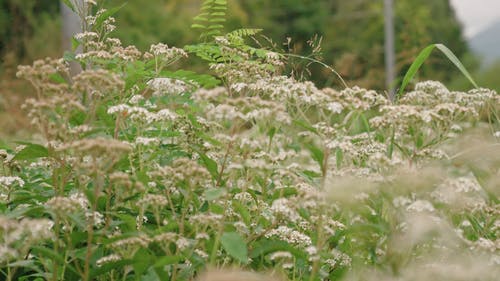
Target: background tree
x: 352, y: 31
x: 28, y: 31
x: 353, y: 35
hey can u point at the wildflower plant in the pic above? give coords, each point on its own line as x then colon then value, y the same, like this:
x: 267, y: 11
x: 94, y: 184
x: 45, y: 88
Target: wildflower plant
x: 140, y: 171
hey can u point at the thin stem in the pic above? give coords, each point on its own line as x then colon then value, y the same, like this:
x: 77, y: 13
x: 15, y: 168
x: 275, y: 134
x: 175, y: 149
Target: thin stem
x: 90, y: 225
x: 9, y: 274
x: 319, y: 229
x: 56, y: 248
x: 322, y: 64
x: 224, y: 162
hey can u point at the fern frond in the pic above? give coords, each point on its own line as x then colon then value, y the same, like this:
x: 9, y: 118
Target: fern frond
x: 244, y: 32
x: 211, y: 18
x: 237, y: 37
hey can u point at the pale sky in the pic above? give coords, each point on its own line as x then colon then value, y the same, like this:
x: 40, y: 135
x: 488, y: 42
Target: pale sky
x: 477, y: 14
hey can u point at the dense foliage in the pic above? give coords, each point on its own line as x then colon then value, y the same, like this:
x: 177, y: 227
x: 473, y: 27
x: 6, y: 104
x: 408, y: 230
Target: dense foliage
x: 24, y: 25
x: 139, y: 171
x: 359, y: 58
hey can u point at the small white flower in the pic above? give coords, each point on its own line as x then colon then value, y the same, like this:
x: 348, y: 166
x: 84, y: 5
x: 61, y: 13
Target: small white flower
x: 335, y: 107
x: 421, y: 206
x: 10, y: 181
x: 147, y: 141
x: 108, y: 259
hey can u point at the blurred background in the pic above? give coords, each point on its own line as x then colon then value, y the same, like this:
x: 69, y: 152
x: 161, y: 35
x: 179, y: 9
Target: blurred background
x: 351, y: 33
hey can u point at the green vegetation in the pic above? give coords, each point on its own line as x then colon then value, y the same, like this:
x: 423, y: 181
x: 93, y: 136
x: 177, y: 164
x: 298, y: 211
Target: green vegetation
x: 359, y: 59
x: 140, y: 169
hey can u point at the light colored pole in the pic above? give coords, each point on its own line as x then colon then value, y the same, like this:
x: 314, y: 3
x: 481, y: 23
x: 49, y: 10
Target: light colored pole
x: 70, y: 26
x: 390, y: 53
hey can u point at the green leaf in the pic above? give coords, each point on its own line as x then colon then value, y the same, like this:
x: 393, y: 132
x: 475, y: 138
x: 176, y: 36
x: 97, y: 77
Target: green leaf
x: 419, y: 140
x: 195, y: 25
x: 284, y: 192
x: 203, y: 80
x: 166, y: 260
x: 20, y: 212
x: 31, y: 151
x: 57, y: 78
x: 54, y: 256
x: 266, y: 246
x: 105, y: 268
x: 69, y: 56
x: 74, y: 44
x: 305, y: 126
x: 390, y: 149
x: 142, y: 261
x: 214, y: 193
x: 69, y: 4
x: 422, y: 57
x: 104, y: 16
x: 339, y: 157
x: 271, y: 133
x: 215, y: 26
x: 210, y: 164
x: 220, y: 20
x: 243, y: 211
x: 317, y: 154
x: 220, y: 14
x: 150, y: 275
x: 200, y: 18
x: 235, y: 246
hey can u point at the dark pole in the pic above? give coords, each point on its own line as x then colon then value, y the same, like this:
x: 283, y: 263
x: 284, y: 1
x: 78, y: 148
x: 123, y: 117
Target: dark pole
x: 71, y: 24
x: 390, y: 53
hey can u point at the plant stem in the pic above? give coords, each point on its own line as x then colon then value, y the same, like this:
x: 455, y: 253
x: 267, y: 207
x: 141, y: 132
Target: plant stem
x: 319, y: 228
x: 56, y: 248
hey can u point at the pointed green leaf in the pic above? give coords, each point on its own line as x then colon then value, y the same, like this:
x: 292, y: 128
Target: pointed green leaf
x: 104, y: 16
x: 339, y: 157
x: 167, y: 260
x: 215, y: 26
x: 422, y: 57
x: 31, y: 151
x: 97, y: 271
x: 69, y: 4
x: 317, y: 154
x: 235, y: 246
x: 74, y: 44
x: 222, y: 14
x: 57, y: 78
x: 210, y: 164
x: 43, y: 252
x: 214, y: 193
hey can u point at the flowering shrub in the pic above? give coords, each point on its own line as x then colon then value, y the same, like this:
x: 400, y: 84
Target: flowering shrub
x: 139, y: 172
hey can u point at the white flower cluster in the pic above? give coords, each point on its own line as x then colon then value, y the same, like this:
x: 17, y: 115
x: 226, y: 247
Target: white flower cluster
x: 462, y: 193
x: 290, y: 235
x: 161, y: 49
x: 108, y: 259
x: 147, y: 141
x: 18, y: 235
x: 154, y: 200
x: 420, y: 206
x: 11, y: 181
x: 281, y: 208
x: 141, y: 114
x: 168, y: 86
x: 280, y: 255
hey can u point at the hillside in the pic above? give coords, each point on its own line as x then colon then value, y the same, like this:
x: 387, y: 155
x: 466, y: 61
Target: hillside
x: 487, y: 44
